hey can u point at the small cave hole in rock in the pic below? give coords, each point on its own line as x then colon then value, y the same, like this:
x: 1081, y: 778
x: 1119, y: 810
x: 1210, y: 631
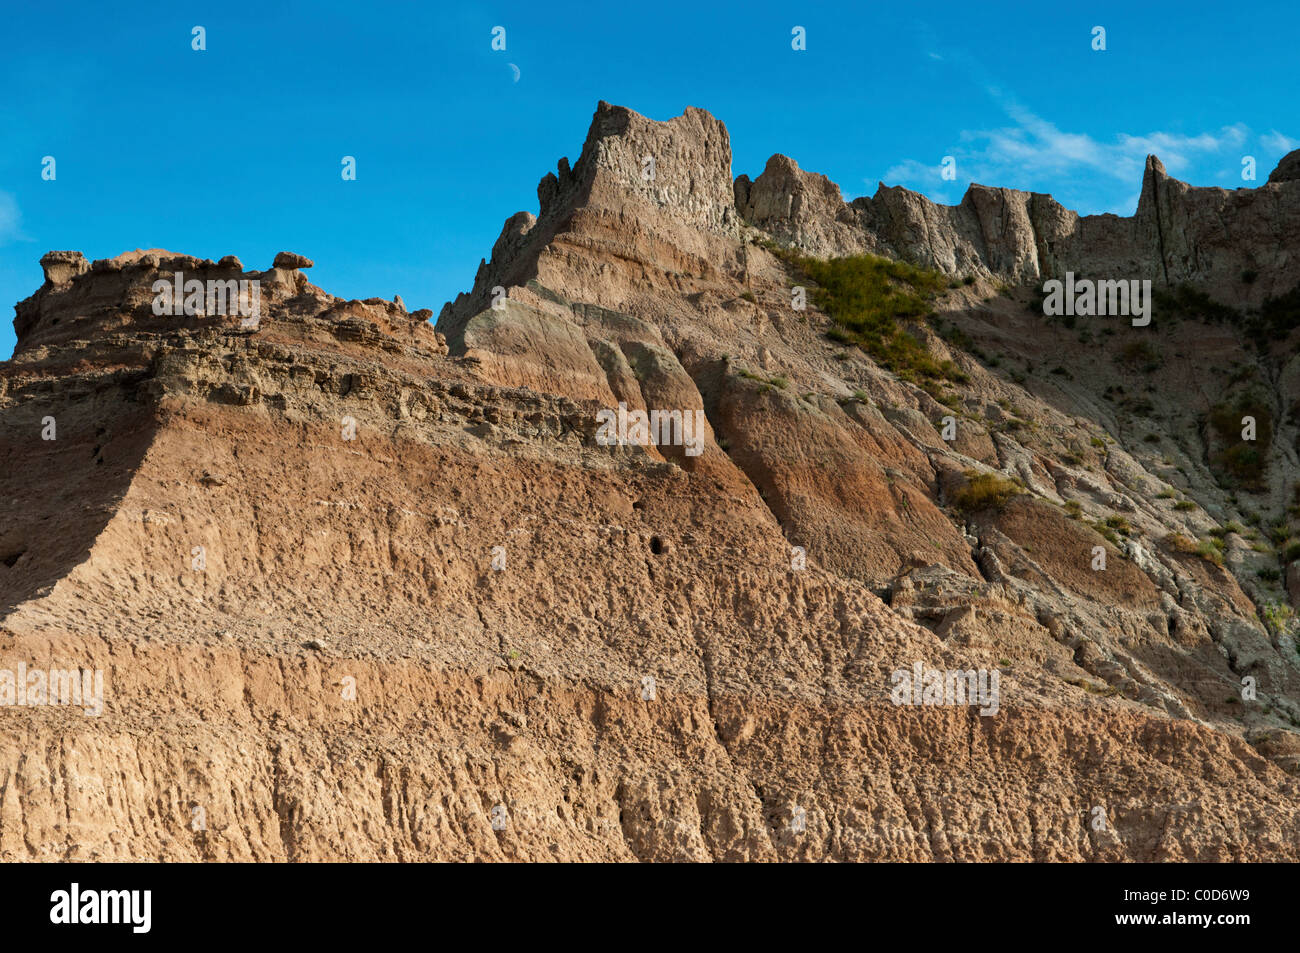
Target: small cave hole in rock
x: 657, y: 546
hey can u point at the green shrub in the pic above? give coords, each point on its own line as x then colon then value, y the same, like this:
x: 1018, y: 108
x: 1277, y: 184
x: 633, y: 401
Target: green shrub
x: 986, y: 491
x: 1119, y: 524
x: 1243, y: 373
x: 1229, y: 527
x: 1186, y: 301
x: 956, y: 336
x: 779, y: 381
x: 1208, y: 551
x: 1107, y: 533
x: 1139, y: 354
x: 1241, y: 461
x: 1277, y: 616
x: 1281, y: 314
x: 868, y: 298
x: 949, y: 400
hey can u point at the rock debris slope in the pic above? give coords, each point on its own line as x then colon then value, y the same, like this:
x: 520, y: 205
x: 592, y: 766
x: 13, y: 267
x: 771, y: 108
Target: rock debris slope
x: 471, y: 631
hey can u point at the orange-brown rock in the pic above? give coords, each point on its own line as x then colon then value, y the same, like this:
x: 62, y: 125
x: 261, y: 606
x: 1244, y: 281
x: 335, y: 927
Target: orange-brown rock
x: 356, y: 584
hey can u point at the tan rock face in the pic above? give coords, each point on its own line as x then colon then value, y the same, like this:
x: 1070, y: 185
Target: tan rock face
x: 60, y: 267
x: 361, y: 589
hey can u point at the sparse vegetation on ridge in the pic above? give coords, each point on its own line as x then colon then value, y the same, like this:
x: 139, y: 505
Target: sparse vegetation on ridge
x: 1241, y: 462
x: 1276, y: 318
x: 1189, y: 302
x: 1209, y: 549
x: 986, y: 491
x: 780, y: 381
x: 868, y: 297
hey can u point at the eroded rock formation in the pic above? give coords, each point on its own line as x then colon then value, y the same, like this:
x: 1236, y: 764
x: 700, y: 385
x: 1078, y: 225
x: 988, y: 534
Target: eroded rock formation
x: 427, y: 590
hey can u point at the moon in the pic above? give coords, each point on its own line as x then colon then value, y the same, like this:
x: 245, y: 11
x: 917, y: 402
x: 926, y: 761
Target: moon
x: 516, y: 71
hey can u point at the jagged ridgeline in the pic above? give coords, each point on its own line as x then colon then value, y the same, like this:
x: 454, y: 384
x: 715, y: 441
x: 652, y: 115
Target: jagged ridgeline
x: 363, y: 589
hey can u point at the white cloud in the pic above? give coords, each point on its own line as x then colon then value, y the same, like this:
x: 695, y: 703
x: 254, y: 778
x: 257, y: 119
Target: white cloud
x: 1276, y: 142
x: 927, y: 178
x: 1036, y: 145
x: 909, y: 170
x: 1035, y: 150
x: 11, y: 220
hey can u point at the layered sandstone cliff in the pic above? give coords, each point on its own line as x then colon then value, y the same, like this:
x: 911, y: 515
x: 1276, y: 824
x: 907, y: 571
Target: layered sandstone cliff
x: 454, y: 610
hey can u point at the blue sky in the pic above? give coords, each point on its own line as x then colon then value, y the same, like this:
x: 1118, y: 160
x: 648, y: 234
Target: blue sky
x: 237, y: 149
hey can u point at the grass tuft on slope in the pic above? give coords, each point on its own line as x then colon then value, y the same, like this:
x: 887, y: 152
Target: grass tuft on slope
x: 869, y: 298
